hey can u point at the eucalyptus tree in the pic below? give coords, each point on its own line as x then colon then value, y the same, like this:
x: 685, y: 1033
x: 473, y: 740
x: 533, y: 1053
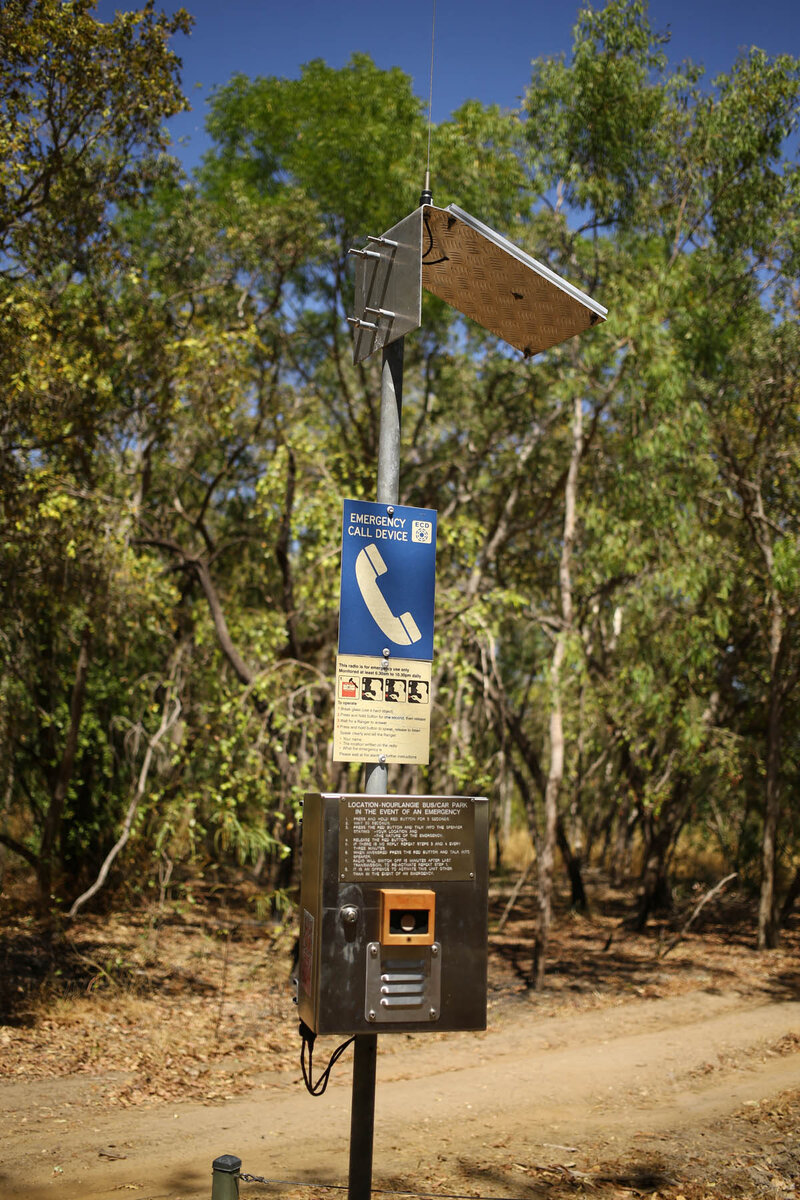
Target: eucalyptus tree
x: 81, y: 110
x: 299, y: 171
x: 583, y: 598
x: 616, y: 612
x: 668, y: 199
x: 737, y: 230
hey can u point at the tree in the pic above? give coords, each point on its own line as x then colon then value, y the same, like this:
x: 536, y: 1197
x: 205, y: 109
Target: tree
x: 81, y: 106
x: 644, y: 179
x: 80, y: 124
x: 616, y: 612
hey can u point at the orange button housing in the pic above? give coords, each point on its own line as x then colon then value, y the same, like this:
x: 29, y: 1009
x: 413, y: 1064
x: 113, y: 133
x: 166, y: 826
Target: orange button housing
x: 396, y: 904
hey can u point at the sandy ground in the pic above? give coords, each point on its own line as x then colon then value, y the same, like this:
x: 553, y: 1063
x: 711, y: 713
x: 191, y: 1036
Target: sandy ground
x: 684, y: 1086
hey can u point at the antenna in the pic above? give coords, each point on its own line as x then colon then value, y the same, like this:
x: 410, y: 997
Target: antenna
x: 426, y: 196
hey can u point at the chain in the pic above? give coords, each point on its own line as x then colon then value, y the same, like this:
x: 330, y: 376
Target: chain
x: 343, y: 1187
x: 243, y: 1178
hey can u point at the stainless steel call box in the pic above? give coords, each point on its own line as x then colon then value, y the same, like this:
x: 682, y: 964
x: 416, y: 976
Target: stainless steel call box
x: 393, y: 913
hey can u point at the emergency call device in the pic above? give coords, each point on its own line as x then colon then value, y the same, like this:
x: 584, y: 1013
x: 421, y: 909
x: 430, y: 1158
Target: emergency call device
x: 393, y: 913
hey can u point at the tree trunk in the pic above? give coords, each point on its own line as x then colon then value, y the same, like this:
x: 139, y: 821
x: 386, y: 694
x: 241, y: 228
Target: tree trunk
x: 655, y: 894
x: 51, y: 829
x: 768, y: 922
x: 622, y: 827
x: 555, y: 773
x: 572, y: 862
x: 656, y: 891
x: 7, y: 792
x: 547, y: 856
x: 790, y: 898
x: 768, y: 925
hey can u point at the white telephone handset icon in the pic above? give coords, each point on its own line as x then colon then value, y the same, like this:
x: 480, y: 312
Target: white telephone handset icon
x: 401, y: 630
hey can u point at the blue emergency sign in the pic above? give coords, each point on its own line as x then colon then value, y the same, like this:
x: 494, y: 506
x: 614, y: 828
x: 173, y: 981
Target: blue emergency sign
x: 388, y: 580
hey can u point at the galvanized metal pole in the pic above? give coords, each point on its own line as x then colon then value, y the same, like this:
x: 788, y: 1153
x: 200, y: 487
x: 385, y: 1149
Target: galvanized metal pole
x: 389, y: 435
x: 362, y: 1110
x: 388, y: 490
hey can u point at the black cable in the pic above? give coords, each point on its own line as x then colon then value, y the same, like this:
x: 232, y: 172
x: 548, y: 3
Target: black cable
x: 309, y: 1037
x: 434, y: 261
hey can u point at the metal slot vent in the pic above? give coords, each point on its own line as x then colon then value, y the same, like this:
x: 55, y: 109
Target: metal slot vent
x: 402, y: 983
x: 403, y: 987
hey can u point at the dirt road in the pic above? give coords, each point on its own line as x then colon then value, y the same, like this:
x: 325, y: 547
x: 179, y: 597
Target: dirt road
x: 649, y: 1096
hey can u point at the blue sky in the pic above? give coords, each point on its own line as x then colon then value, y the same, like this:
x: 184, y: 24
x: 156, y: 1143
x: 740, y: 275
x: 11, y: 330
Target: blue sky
x: 483, y: 48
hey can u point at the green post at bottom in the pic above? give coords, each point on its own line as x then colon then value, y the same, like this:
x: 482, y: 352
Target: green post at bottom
x: 225, y: 1177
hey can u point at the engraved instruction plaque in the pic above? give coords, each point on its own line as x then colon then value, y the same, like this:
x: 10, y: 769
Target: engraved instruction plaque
x: 402, y: 838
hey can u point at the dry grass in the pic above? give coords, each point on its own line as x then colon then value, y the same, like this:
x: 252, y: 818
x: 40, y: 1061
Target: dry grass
x: 190, y: 1003
x: 197, y: 1003
x: 518, y: 852
x: 187, y: 1010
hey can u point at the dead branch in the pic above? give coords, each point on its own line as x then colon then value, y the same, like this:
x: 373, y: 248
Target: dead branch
x: 677, y: 937
x: 512, y: 899
x: 169, y: 715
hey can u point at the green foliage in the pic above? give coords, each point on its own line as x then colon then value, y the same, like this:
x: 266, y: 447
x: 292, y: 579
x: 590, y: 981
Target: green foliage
x: 184, y: 419
x: 81, y: 106
x: 599, y: 125
x: 347, y: 140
